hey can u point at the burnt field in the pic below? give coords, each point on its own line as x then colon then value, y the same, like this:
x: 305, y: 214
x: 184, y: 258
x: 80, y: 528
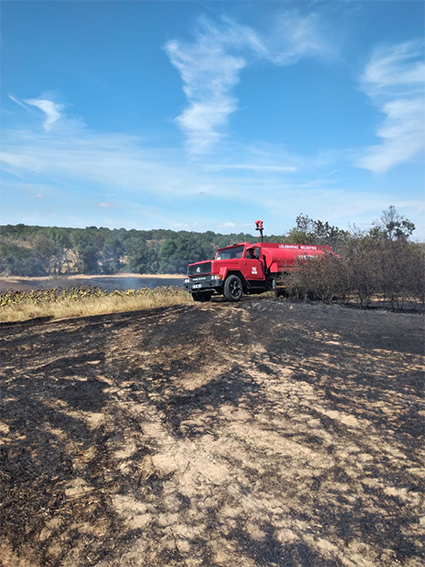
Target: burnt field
x: 262, y: 433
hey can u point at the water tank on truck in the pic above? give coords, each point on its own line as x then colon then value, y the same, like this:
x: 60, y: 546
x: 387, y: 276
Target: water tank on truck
x: 247, y: 268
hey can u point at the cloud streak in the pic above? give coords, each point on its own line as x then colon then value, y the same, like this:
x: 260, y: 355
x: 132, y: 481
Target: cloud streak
x: 210, y: 67
x: 50, y: 109
x: 396, y: 70
x: 394, y: 79
x: 119, y: 163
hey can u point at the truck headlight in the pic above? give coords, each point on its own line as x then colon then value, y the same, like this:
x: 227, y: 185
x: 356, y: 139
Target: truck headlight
x: 187, y: 280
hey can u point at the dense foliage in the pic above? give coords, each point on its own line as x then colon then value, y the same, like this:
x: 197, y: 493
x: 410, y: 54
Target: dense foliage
x: 39, y: 251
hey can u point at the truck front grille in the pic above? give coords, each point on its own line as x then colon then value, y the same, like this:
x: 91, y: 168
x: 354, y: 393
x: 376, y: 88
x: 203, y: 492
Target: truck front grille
x: 199, y: 269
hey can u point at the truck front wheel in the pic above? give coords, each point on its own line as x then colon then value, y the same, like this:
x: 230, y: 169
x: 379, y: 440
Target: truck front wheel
x: 233, y: 289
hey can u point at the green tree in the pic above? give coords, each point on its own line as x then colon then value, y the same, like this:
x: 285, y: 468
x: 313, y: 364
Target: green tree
x: 392, y: 226
x: 83, y: 242
x: 309, y: 231
x: 111, y: 253
x: 20, y: 261
x: 142, y: 255
x: 46, y: 251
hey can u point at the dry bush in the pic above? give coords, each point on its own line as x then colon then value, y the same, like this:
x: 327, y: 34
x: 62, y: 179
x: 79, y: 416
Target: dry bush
x: 415, y: 276
x: 396, y: 269
x: 320, y: 278
x: 360, y: 264
x: 366, y: 269
x: 389, y: 270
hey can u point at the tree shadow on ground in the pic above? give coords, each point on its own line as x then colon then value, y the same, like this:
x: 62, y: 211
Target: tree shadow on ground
x: 268, y: 550
x: 230, y: 388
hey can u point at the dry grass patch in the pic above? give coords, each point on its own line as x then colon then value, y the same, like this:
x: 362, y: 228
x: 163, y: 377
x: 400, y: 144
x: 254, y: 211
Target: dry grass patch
x: 91, y: 306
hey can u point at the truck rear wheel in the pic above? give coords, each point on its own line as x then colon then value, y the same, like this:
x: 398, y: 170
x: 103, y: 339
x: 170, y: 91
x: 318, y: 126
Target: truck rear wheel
x: 233, y: 289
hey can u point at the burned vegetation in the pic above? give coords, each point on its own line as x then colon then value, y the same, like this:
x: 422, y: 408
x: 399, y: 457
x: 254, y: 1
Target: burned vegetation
x: 254, y: 434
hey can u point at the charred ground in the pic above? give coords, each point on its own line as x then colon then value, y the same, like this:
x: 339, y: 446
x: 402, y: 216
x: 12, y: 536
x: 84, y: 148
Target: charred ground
x: 256, y: 434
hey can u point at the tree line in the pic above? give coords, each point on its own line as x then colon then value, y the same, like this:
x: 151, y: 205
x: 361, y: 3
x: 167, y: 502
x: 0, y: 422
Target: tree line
x: 39, y: 251
x: 381, y: 260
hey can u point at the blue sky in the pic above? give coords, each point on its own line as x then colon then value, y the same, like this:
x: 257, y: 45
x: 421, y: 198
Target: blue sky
x: 211, y: 115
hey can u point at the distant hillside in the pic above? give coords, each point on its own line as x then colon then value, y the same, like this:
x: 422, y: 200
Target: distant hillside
x: 39, y: 251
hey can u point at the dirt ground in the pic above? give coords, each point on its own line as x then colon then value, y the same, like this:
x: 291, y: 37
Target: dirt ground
x: 262, y: 433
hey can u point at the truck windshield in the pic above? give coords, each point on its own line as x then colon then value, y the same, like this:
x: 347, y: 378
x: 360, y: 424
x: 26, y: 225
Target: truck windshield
x: 228, y: 253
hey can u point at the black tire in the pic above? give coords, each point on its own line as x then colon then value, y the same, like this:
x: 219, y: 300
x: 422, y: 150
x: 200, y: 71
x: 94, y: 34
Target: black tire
x: 233, y: 290
x: 195, y: 296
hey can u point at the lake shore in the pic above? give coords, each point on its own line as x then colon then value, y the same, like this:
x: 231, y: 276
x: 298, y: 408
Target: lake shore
x: 106, y: 282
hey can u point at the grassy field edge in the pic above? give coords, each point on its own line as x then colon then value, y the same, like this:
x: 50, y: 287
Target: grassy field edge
x: 91, y: 306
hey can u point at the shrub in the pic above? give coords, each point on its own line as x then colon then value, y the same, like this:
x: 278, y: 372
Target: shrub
x: 392, y: 270
x: 320, y: 278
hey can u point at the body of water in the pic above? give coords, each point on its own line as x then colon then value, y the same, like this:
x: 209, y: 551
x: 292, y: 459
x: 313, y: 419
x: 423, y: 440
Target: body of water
x: 108, y: 283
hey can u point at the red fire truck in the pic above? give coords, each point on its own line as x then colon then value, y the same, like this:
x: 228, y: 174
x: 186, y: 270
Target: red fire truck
x: 247, y: 268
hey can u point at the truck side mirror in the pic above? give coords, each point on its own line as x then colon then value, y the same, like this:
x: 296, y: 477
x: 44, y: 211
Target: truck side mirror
x: 257, y: 253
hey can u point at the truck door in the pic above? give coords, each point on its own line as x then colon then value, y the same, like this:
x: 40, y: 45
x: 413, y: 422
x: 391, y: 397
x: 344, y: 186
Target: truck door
x: 252, y: 267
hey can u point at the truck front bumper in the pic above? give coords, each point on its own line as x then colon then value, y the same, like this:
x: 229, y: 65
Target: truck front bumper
x: 203, y: 283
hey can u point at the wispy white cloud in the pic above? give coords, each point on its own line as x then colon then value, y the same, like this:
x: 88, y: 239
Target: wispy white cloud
x: 402, y: 134
x: 293, y: 37
x: 123, y: 166
x: 210, y: 67
x: 15, y: 160
x: 394, y: 79
x: 52, y: 110
x: 72, y: 154
x: 17, y: 101
x: 208, y: 74
x: 396, y: 70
